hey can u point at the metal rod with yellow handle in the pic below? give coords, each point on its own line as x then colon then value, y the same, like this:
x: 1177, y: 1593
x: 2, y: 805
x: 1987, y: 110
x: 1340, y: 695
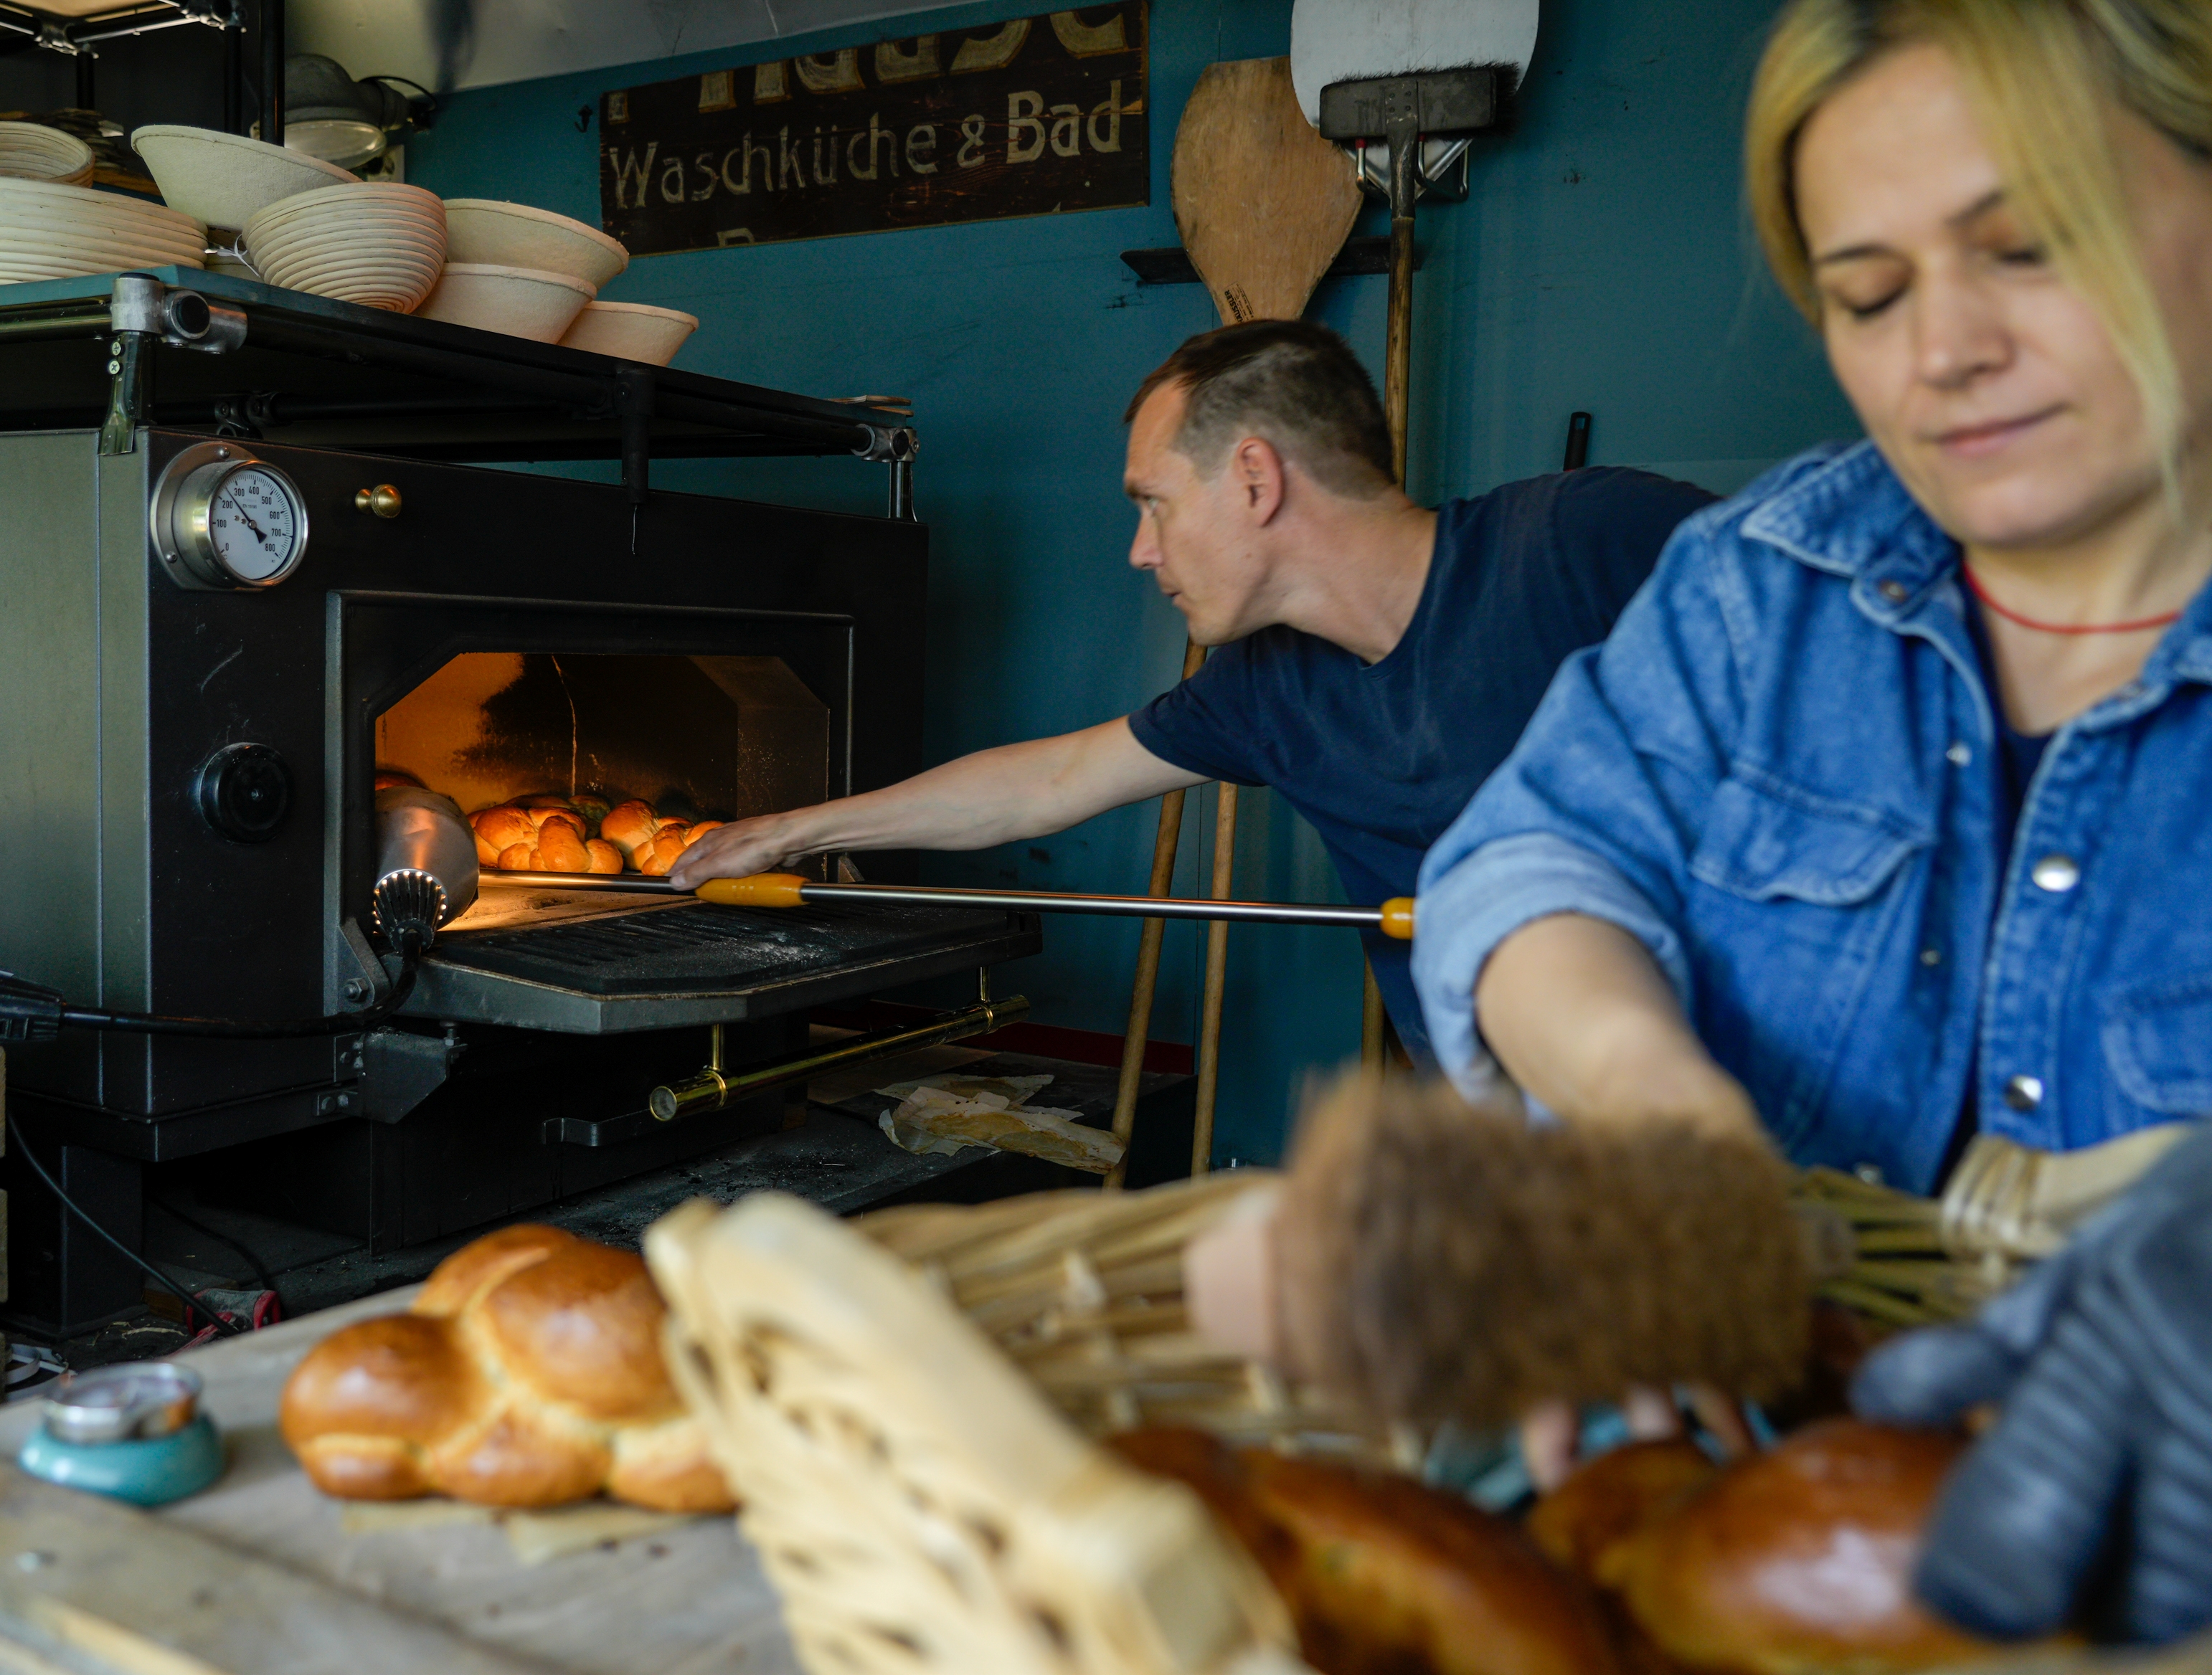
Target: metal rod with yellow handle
x: 787, y: 889
x: 1394, y: 919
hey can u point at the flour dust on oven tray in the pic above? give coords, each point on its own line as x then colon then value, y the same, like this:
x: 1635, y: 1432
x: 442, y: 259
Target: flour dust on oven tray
x: 203, y: 688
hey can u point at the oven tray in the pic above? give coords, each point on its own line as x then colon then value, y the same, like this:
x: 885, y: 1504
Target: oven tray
x: 701, y: 963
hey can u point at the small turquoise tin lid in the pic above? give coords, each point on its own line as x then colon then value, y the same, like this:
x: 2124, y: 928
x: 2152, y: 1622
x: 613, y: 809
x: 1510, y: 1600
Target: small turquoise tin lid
x: 132, y: 1431
x: 123, y: 1402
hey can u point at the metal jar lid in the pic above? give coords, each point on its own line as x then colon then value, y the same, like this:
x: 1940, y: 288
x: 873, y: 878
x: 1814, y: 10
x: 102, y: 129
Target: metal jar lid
x: 138, y: 1398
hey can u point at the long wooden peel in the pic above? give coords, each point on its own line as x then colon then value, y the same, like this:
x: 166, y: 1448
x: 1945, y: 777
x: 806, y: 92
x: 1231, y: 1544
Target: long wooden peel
x: 1139, y: 1030
x: 1263, y: 203
x: 1373, y: 1019
x: 1216, y: 981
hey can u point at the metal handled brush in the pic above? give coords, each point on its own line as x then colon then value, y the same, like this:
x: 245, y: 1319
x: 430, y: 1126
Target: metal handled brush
x: 1398, y: 71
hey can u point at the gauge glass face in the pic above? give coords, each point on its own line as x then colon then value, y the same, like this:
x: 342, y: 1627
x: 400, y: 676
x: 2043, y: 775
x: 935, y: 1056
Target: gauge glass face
x: 253, y: 524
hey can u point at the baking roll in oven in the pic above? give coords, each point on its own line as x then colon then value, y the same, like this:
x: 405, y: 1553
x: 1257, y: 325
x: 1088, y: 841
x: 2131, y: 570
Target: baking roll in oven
x: 629, y: 827
x: 670, y: 840
x: 545, y: 838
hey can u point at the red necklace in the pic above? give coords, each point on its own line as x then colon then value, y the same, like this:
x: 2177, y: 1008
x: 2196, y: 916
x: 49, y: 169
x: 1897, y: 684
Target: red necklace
x: 1980, y: 594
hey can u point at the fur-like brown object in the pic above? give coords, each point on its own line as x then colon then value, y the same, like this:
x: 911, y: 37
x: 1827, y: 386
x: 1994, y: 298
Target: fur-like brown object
x: 1437, y: 1261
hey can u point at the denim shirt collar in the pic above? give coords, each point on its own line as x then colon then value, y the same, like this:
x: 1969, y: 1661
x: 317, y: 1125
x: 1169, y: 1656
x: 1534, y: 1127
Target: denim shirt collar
x: 1850, y: 517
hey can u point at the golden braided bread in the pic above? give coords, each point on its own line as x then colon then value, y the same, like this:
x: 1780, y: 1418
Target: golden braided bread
x: 527, y: 1373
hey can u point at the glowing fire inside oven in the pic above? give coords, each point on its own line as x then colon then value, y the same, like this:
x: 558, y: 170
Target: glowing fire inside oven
x: 606, y: 762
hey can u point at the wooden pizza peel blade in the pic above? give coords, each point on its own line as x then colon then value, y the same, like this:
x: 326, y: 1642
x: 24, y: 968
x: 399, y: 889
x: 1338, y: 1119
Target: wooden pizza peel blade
x: 1262, y: 202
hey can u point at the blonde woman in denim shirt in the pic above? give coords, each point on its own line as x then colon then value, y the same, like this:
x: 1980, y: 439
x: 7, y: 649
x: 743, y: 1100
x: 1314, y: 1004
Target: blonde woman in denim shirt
x: 1886, y: 813
x: 1817, y: 837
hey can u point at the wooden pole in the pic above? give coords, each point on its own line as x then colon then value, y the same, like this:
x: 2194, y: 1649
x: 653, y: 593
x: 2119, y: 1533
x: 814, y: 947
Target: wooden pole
x: 1139, y: 1030
x: 1397, y: 379
x: 1372, y: 1053
x: 1398, y: 342
x: 1217, y: 976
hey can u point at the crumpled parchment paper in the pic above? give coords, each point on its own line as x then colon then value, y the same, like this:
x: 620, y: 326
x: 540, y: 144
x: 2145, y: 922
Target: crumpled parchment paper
x: 947, y: 1112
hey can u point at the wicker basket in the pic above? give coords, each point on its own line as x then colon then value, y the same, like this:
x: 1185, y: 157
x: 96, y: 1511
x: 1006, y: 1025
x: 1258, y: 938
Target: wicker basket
x: 1083, y: 1292
x: 917, y: 1503
x: 1914, y: 1261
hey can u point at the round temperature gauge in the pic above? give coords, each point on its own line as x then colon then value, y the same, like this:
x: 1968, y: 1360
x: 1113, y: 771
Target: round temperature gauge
x: 255, y: 525
x: 223, y: 519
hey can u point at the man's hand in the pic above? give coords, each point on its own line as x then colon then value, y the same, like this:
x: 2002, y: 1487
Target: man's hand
x: 743, y: 848
x: 2102, y: 1358
x: 992, y: 797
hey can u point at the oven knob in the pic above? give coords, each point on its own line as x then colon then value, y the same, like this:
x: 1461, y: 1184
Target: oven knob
x: 244, y: 792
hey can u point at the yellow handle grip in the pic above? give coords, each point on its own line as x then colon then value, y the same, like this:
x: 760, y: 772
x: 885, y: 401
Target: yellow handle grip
x: 762, y: 889
x: 1398, y: 918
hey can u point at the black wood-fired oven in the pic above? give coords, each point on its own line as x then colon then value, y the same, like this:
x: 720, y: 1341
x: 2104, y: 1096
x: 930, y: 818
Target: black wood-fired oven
x: 186, y: 776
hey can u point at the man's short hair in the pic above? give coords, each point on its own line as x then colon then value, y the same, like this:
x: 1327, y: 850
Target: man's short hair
x: 1295, y: 383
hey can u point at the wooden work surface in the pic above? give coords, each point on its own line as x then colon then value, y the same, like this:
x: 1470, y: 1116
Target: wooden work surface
x: 262, y: 1575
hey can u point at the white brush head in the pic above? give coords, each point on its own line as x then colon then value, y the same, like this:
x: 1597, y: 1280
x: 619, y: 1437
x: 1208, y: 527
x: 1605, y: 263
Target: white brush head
x: 1355, y: 41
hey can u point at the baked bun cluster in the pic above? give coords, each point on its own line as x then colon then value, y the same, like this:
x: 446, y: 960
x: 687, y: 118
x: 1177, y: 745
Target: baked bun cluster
x: 527, y: 1373
x: 1789, y: 1562
x: 540, y: 836
x: 1651, y: 1560
x: 582, y: 833
x: 648, y: 842
x: 1383, y: 1576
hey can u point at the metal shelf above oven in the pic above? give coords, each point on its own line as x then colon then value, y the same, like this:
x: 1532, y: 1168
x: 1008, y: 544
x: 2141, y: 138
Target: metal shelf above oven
x: 674, y: 967
x: 189, y: 349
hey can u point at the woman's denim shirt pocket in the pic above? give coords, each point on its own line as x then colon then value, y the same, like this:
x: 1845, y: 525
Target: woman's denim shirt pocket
x: 1778, y: 775
x: 2158, y: 1044
x: 1812, y: 882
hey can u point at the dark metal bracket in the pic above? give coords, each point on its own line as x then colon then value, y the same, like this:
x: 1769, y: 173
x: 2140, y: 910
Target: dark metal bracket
x: 400, y: 1070
x: 144, y: 311
x: 1440, y: 167
x: 130, y: 393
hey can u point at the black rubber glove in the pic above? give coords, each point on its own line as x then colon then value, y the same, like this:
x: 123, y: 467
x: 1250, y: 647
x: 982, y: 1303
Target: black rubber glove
x: 2102, y: 1358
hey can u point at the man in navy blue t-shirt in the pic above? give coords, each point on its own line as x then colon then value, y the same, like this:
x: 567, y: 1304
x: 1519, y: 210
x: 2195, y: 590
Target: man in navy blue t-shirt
x: 1378, y: 660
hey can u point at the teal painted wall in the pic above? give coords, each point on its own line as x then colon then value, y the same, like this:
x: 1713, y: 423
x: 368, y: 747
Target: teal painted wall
x: 1600, y: 262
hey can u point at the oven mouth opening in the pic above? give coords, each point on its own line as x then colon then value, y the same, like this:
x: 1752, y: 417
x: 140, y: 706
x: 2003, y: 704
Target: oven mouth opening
x: 527, y: 741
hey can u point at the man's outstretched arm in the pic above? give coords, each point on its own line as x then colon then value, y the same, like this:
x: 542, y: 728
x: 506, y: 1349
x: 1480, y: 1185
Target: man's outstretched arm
x: 998, y: 796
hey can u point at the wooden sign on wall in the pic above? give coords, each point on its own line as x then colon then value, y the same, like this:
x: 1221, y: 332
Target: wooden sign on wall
x: 1028, y: 117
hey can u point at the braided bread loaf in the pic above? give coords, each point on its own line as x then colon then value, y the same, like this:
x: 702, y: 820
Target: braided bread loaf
x: 498, y: 829
x: 527, y: 1373
x: 540, y: 834
x: 650, y: 842
x: 674, y: 837
x: 630, y: 827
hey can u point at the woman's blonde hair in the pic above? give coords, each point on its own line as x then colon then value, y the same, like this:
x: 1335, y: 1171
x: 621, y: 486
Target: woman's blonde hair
x: 2044, y: 77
